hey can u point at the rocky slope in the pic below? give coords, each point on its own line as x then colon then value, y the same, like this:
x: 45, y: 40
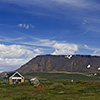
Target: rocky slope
x: 74, y: 63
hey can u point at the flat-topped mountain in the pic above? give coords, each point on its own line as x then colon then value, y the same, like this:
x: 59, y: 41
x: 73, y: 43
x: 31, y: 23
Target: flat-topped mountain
x: 68, y: 63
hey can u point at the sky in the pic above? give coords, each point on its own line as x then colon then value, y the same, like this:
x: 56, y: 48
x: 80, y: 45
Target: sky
x: 38, y: 27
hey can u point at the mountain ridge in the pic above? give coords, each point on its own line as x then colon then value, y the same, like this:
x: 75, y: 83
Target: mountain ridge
x: 67, y: 63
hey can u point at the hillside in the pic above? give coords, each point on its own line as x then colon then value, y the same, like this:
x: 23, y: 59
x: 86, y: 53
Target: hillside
x: 74, y: 63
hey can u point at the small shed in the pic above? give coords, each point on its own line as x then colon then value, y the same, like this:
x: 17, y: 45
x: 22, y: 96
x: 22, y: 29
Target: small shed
x: 14, y: 77
x: 38, y: 85
x: 34, y: 80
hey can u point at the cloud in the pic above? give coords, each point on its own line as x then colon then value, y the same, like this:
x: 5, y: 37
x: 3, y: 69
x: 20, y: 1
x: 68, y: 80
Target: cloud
x: 46, y: 3
x: 12, y: 51
x: 11, y: 40
x: 47, y: 43
x: 39, y: 42
x: 86, y: 46
x: 90, y: 48
x: 20, y: 25
x: 32, y: 2
x: 13, y: 56
x: 64, y: 48
x: 84, y: 22
x: 26, y: 26
x: 96, y: 52
x: 38, y: 51
x: 76, y: 3
x: 11, y: 64
x: 56, y: 47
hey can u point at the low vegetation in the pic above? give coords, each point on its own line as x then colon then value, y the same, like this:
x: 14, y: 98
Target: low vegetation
x: 61, y: 76
x: 56, y: 86
x: 59, y: 90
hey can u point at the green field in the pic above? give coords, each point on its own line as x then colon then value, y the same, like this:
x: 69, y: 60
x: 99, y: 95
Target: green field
x: 56, y: 86
x: 61, y: 76
x: 1, y: 78
x: 59, y: 90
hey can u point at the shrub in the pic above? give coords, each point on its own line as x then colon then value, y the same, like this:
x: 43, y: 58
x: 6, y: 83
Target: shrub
x: 57, y: 85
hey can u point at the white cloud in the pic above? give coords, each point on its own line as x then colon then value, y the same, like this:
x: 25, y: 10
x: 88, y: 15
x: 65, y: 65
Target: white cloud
x: 64, y: 48
x: 13, y: 56
x: 38, y: 51
x: 26, y: 26
x: 20, y: 25
x: 89, y: 48
x: 60, y: 47
x: 20, y: 54
x: 77, y: 3
x: 6, y: 39
x: 46, y: 3
x: 86, y: 46
x: 96, y: 52
x: 11, y: 64
x: 32, y: 26
x: 40, y: 42
x: 84, y: 22
x: 11, y: 51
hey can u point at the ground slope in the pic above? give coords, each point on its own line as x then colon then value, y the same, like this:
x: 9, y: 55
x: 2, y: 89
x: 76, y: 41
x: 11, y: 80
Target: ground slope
x: 47, y: 63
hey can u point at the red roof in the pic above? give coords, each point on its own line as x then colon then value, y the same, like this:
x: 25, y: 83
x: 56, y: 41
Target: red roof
x: 38, y: 86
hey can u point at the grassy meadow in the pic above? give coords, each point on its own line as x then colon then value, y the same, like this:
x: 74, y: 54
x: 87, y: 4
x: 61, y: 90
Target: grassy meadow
x: 59, y: 90
x: 56, y: 86
x: 61, y: 76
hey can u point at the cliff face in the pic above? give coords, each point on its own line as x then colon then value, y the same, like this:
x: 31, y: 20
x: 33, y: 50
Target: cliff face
x: 74, y: 63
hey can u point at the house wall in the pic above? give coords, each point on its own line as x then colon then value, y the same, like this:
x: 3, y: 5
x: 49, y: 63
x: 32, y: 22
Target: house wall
x: 10, y: 80
x: 22, y: 80
x: 15, y: 78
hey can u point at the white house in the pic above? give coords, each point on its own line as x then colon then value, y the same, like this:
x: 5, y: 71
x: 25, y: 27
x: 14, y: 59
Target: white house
x: 14, y: 77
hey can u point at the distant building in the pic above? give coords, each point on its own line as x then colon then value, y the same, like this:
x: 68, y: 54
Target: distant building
x: 34, y: 80
x: 36, y: 83
x: 14, y: 77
